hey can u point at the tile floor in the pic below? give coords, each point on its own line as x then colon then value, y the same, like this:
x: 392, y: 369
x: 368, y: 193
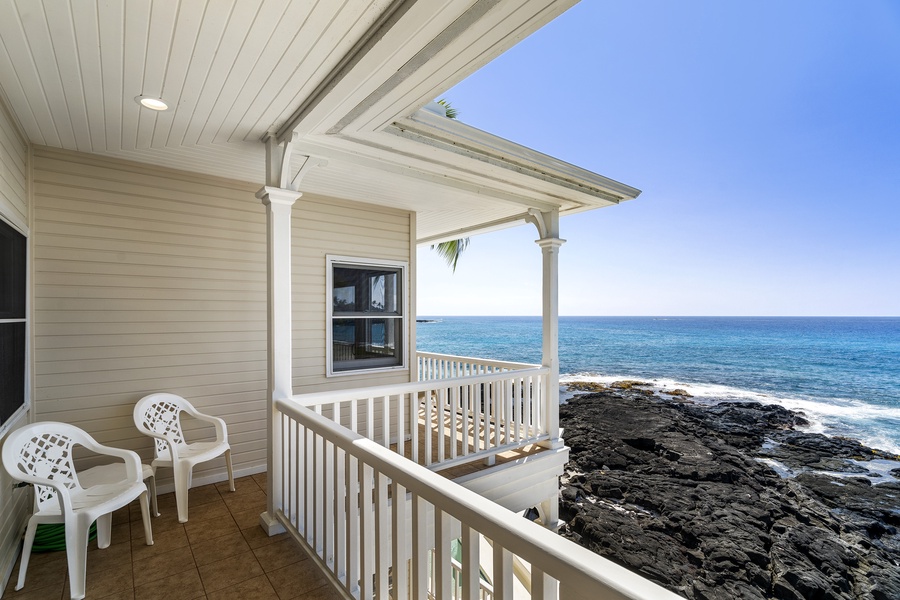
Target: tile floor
x: 219, y: 554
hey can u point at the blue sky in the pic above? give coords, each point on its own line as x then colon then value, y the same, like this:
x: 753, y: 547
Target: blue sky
x: 765, y: 137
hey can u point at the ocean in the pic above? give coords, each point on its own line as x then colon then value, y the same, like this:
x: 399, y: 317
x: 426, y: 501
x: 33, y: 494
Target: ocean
x: 842, y: 373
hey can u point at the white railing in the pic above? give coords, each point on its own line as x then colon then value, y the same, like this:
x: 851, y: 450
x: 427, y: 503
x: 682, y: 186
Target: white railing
x: 432, y: 366
x: 444, y: 422
x: 381, y: 526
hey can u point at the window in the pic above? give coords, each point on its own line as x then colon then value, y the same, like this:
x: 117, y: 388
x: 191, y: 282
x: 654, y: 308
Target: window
x: 367, y: 325
x: 12, y: 321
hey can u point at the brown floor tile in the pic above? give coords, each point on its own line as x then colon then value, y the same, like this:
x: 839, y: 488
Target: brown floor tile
x: 280, y: 554
x: 51, y: 571
x: 153, y: 568
x: 262, y: 480
x: 180, y: 586
x: 198, y: 531
x: 38, y: 593
x: 214, y: 550
x: 247, y: 518
x: 229, y: 572
x: 210, y: 510
x: 163, y: 542
x: 123, y: 595
x: 108, y: 558
x: 257, y: 588
x: 255, y: 500
x: 326, y: 592
x: 166, y: 522
x: 202, y: 495
x: 109, y: 581
x: 256, y: 537
x: 296, y: 579
x: 241, y: 485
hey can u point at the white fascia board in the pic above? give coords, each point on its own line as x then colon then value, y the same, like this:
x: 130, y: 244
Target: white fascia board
x: 456, y: 137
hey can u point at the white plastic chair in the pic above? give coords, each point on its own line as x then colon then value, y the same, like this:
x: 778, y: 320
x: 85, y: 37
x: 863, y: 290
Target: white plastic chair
x: 159, y: 416
x: 41, y: 454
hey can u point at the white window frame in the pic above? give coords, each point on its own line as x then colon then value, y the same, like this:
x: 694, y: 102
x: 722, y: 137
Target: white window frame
x: 355, y: 261
x: 26, y: 401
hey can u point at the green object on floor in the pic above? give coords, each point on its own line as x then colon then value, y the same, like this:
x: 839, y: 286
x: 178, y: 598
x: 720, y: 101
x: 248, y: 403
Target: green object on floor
x: 50, y: 537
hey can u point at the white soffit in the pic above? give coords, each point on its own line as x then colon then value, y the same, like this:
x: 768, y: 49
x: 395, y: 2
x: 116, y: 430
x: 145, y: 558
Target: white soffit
x: 348, y: 76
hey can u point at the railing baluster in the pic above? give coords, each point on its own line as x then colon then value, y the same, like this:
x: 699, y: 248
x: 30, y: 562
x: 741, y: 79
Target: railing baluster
x: 328, y: 504
x: 420, y: 548
x: 454, y: 420
x: 340, y: 517
x: 318, y: 491
x: 354, y: 417
x: 441, y: 412
x: 471, y: 569
x: 382, y: 536
x: 503, y: 573
x: 464, y: 400
x: 370, y: 418
x: 543, y: 587
x: 367, y: 532
x: 401, y: 433
x: 442, y: 541
x: 414, y: 426
x: 386, y: 421
x: 507, y: 409
x: 400, y: 556
x: 429, y: 425
x: 353, y: 535
x: 307, y: 484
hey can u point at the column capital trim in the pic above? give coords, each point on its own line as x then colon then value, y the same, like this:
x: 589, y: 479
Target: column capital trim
x: 274, y: 195
x: 550, y: 242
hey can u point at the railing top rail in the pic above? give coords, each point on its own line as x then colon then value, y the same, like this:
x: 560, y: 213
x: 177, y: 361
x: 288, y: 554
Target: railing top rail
x: 503, y: 364
x: 558, y: 557
x: 315, y: 398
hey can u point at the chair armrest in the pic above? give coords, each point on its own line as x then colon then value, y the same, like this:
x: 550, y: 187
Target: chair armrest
x: 62, y: 492
x: 221, y: 428
x: 173, y: 447
x: 133, y: 469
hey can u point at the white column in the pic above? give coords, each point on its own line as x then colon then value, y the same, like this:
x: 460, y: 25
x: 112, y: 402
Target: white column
x: 278, y: 204
x: 550, y: 245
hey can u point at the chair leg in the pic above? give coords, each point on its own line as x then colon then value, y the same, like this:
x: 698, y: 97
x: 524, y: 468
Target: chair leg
x: 26, y: 552
x: 145, y: 514
x: 76, y: 554
x: 152, y: 488
x: 104, y: 530
x: 182, y: 485
x: 230, y: 470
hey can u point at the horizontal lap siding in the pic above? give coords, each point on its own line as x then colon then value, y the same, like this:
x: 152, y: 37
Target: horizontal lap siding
x: 323, y: 226
x: 14, y: 504
x: 148, y: 280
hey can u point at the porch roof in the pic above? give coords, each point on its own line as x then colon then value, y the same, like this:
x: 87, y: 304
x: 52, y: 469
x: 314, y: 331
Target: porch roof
x: 350, y: 80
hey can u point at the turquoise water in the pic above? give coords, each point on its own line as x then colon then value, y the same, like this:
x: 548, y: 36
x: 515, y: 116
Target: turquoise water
x: 843, y: 373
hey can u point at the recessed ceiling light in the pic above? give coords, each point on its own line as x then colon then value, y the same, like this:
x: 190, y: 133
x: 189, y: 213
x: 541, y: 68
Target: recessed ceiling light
x: 151, y: 103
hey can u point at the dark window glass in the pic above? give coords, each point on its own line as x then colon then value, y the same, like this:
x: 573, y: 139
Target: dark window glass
x: 12, y: 315
x: 12, y: 368
x: 367, y: 323
x: 12, y: 273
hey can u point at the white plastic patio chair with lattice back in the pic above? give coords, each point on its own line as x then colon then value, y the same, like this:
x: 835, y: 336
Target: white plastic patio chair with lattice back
x: 42, y: 454
x: 159, y: 416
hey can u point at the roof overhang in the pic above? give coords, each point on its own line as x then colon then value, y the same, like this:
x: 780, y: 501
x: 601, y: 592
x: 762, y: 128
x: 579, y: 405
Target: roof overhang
x: 348, y: 81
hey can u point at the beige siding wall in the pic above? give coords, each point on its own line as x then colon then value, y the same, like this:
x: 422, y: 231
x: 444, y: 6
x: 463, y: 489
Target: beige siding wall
x: 14, y: 504
x: 149, y: 279
x: 323, y: 226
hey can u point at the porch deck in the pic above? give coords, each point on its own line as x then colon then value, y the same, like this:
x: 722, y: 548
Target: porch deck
x: 220, y: 554
x: 466, y: 463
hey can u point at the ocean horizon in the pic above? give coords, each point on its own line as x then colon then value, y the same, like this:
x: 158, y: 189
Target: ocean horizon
x: 842, y: 373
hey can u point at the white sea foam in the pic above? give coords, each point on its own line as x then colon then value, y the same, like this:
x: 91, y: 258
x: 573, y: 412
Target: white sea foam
x: 870, y: 424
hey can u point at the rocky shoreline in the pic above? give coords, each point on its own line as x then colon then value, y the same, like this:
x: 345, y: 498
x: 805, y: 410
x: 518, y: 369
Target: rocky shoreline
x: 727, y: 501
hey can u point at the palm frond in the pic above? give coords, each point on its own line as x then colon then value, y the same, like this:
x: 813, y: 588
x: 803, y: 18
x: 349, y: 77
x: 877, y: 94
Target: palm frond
x: 448, y: 110
x: 451, y: 250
